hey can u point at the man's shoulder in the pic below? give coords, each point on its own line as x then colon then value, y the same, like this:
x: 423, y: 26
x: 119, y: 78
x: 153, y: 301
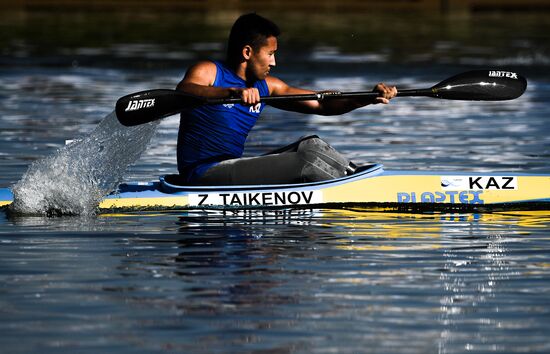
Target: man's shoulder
x: 275, y: 84
x: 204, y: 65
x: 204, y: 69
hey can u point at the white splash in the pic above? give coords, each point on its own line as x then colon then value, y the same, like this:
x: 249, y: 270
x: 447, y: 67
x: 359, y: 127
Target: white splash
x: 75, y: 179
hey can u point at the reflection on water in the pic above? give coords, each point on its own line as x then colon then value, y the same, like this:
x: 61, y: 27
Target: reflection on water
x: 284, y: 280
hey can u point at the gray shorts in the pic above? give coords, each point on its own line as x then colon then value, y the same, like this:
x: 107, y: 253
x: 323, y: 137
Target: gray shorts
x: 308, y: 160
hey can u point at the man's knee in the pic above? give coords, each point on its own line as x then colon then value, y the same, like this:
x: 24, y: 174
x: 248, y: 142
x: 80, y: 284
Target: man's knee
x: 314, y: 168
x: 324, y: 151
x: 321, y: 160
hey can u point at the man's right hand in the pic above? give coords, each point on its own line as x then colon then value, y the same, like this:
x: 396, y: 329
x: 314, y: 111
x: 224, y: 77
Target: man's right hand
x: 386, y: 93
x: 250, y: 95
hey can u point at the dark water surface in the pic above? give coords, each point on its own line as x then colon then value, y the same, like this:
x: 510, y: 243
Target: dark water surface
x: 280, y: 281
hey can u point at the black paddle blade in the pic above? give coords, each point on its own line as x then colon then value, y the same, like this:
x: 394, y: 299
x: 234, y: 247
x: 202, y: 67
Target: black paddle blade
x: 147, y: 106
x: 481, y: 85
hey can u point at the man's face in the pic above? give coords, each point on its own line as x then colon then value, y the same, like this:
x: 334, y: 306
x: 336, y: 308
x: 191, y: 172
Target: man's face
x: 263, y: 59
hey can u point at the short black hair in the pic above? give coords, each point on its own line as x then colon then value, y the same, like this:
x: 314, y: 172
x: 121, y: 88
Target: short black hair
x: 250, y: 29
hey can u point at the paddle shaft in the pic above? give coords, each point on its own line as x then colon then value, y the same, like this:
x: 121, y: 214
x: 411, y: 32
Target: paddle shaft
x: 321, y: 96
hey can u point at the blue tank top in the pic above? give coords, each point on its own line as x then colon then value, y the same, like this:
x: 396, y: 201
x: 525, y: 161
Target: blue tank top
x: 213, y: 133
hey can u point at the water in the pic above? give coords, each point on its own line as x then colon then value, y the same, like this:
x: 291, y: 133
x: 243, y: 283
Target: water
x: 279, y: 281
x: 304, y: 281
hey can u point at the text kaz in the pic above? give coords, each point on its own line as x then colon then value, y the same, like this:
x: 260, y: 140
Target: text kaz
x: 479, y: 182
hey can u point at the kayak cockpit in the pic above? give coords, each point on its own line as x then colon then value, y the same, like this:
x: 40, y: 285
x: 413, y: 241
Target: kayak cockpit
x: 174, y: 183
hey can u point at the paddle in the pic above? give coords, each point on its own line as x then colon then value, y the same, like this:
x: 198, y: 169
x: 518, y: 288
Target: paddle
x: 478, y: 85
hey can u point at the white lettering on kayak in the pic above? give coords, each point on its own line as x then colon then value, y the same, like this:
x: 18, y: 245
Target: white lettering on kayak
x: 139, y: 104
x: 508, y: 74
x: 460, y: 183
x: 279, y: 198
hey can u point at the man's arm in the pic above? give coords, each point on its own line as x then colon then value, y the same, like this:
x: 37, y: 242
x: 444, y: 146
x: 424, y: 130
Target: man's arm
x: 328, y: 107
x: 198, y: 81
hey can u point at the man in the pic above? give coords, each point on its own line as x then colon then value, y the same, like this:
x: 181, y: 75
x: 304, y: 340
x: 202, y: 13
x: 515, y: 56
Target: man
x: 211, y: 138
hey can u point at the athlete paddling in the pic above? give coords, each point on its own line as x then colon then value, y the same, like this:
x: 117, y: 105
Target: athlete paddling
x: 211, y: 137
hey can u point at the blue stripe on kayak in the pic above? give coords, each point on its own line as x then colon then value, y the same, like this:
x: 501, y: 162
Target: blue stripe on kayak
x: 6, y: 195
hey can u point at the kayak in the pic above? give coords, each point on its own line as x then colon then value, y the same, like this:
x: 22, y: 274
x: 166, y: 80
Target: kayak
x: 370, y: 186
